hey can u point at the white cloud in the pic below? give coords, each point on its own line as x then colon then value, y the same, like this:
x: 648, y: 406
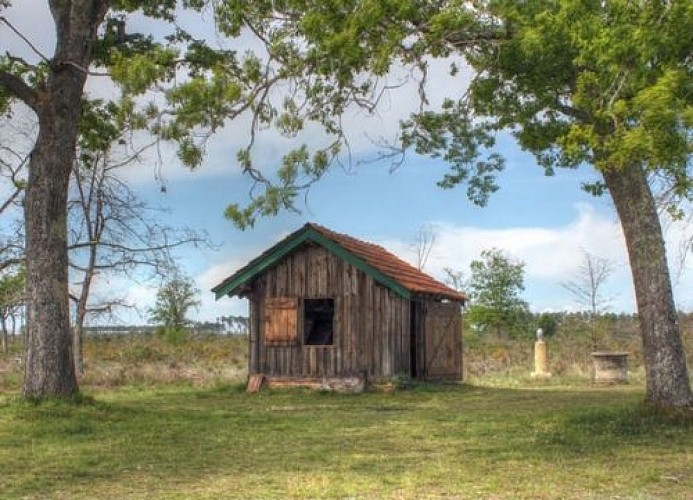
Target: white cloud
x: 549, y: 253
x: 553, y: 256
x: 210, y: 308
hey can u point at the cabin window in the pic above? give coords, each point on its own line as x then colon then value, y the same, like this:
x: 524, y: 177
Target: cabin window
x: 318, y: 321
x: 281, y: 321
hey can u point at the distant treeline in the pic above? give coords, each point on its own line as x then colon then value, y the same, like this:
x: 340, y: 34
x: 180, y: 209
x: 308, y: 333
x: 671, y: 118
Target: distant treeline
x: 226, y: 325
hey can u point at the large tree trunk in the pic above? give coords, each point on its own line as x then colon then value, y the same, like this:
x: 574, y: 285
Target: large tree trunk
x: 665, y: 360
x: 49, y: 368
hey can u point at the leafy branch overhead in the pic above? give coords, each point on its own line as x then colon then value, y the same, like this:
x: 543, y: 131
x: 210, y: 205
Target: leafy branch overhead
x: 313, y: 61
x: 182, y: 88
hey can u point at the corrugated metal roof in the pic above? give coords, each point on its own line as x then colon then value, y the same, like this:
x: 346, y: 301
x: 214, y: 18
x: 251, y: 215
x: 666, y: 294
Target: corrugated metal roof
x: 386, y: 267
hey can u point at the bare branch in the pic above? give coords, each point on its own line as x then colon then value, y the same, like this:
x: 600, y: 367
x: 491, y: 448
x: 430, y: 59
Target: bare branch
x: 587, y: 287
x: 85, y: 70
x: 24, y: 39
x: 423, y: 245
x: 7, y: 263
x: 10, y: 200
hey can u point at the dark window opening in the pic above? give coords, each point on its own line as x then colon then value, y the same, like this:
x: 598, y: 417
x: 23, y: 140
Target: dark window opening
x: 318, y: 321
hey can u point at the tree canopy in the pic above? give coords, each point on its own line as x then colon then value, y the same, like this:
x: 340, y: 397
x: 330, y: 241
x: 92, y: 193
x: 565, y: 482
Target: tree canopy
x: 174, y: 300
x: 599, y: 83
x: 605, y: 84
x: 495, y: 286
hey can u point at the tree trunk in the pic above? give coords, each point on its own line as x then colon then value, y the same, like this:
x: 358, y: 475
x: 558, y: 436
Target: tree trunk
x: 49, y: 369
x: 78, y: 349
x: 81, y: 313
x: 5, y: 342
x: 94, y: 232
x: 665, y: 360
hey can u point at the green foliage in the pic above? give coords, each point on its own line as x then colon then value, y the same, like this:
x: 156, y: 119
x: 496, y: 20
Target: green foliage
x: 173, y: 301
x: 174, y: 335
x: 308, y: 67
x: 495, y: 286
x: 548, y: 324
x: 297, y: 172
x: 455, y: 136
x: 603, y: 83
x: 12, y: 285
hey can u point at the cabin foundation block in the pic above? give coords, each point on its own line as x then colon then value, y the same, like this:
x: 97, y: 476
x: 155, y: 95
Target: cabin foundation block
x: 338, y: 384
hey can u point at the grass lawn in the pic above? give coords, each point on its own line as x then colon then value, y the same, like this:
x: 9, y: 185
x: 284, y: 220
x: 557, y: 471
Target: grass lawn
x: 178, y: 441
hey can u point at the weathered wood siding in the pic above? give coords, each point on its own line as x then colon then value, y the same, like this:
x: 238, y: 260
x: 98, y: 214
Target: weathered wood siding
x: 371, y: 323
x: 437, y: 338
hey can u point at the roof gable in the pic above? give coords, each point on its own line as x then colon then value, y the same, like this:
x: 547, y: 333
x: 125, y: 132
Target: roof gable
x: 384, y: 267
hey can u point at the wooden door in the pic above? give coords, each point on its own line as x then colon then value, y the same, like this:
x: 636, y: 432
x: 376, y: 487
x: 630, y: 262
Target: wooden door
x: 443, y: 341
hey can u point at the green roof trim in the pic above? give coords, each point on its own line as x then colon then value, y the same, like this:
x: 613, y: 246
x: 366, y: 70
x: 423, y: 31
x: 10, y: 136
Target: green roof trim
x: 283, y: 248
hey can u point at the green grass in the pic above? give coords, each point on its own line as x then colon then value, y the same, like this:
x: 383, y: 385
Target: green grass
x: 175, y: 441
x: 166, y: 421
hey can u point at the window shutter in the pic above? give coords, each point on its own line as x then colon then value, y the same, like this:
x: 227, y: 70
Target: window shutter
x: 281, y: 320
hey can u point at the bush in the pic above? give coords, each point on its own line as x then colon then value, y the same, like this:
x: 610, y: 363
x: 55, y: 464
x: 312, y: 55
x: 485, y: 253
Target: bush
x: 175, y: 335
x: 548, y: 324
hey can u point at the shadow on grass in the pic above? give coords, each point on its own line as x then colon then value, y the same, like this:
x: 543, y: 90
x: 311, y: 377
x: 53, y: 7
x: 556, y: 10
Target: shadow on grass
x: 622, y: 425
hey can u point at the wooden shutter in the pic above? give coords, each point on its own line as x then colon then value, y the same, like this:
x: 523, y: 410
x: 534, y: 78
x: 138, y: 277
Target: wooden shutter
x: 281, y: 320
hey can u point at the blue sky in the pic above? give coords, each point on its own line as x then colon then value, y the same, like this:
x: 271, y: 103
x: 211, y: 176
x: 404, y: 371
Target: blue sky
x: 544, y: 221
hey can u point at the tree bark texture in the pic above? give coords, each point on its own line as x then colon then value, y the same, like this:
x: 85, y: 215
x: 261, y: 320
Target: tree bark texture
x: 49, y: 369
x: 667, y: 383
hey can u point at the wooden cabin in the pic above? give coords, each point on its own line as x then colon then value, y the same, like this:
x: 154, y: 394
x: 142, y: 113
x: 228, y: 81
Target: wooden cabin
x: 326, y: 307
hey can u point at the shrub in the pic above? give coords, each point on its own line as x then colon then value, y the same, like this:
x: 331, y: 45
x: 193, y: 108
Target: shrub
x: 175, y: 335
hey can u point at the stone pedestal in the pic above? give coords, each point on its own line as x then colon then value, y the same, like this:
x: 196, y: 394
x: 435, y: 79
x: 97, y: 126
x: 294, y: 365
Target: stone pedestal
x: 610, y: 367
x: 541, y: 361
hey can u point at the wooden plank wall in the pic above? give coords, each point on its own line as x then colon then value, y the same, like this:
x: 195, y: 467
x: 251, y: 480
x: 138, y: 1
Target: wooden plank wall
x: 437, y: 327
x: 443, y: 327
x: 371, y: 324
x: 438, y: 339
x: 253, y: 341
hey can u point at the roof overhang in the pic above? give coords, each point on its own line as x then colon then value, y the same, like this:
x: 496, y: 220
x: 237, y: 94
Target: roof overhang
x: 230, y: 286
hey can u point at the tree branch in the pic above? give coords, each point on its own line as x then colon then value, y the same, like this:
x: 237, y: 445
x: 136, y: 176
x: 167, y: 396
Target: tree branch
x: 572, y: 112
x: 24, y: 39
x: 19, y: 89
x: 11, y: 199
x: 11, y: 262
x: 134, y: 250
